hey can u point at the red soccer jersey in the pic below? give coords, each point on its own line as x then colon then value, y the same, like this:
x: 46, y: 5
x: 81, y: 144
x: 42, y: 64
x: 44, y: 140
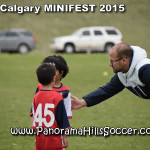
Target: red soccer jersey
x: 65, y: 92
x: 49, y: 112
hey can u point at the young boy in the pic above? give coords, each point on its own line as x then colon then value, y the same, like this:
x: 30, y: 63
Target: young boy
x: 49, y: 110
x: 61, y: 71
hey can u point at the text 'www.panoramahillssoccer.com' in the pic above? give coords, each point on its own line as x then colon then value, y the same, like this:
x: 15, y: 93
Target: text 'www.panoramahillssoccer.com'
x: 91, y: 131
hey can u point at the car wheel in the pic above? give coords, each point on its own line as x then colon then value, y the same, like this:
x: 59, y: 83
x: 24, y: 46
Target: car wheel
x: 23, y: 49
x: 108, y: 47
x: 69, y: 48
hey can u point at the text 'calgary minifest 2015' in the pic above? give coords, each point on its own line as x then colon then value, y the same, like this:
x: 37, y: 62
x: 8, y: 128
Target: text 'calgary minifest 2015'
x: 69, y: 8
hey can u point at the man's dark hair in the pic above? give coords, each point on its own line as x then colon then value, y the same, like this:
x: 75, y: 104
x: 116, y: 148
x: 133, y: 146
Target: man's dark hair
x: 59, y: 63
x: 45, y: 73
x: 124, y: 50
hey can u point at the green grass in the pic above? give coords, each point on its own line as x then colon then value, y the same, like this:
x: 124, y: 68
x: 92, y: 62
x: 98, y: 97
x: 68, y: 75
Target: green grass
x: 17, y: 86
x: 18, y: 79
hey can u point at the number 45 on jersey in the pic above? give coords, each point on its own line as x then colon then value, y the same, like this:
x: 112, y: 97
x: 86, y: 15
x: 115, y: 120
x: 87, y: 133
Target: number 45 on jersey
x: 38, y: 115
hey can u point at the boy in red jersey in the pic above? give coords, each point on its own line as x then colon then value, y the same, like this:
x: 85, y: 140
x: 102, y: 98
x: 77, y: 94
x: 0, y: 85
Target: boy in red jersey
x: 49, y: 110
x: 61, y: 71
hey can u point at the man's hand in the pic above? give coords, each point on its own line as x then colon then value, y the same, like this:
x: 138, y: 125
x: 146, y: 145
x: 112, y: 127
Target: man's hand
x: 76, y: 103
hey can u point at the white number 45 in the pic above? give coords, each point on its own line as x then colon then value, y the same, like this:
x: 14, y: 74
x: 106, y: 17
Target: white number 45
x: 38, y: 115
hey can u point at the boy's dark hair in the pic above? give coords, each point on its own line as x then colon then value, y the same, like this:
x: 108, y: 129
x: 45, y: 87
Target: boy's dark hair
x: 45, y: 73
x: 58, y: 62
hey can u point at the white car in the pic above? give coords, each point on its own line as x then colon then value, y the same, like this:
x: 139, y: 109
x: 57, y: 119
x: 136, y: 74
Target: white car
x: 88, y: 39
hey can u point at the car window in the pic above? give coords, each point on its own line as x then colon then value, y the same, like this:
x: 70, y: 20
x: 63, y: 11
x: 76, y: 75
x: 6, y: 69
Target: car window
x: 2, y: 34
x: 97, y: 32
x: 26, y: 33
x: 11, y: 34
x: 111, y: 32
x: 86, y: 33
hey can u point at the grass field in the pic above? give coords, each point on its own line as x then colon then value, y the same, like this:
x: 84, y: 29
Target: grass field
x: 17, y: 86
x: 18, y: 80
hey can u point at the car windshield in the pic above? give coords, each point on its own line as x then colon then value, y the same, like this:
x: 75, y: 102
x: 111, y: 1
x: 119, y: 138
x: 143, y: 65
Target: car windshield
x: 76, y: 33
x: 2, y: 33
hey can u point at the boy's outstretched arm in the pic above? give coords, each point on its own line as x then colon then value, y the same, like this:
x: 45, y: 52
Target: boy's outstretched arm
x: 65, y: 141
x: 76, y: 103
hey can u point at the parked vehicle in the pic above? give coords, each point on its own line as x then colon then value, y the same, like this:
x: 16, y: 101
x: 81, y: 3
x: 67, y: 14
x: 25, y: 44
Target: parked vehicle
x: 88, y: 39
x: 19, y: 40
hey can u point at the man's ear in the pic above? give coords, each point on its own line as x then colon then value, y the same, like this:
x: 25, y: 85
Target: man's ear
x: 125, y: 60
